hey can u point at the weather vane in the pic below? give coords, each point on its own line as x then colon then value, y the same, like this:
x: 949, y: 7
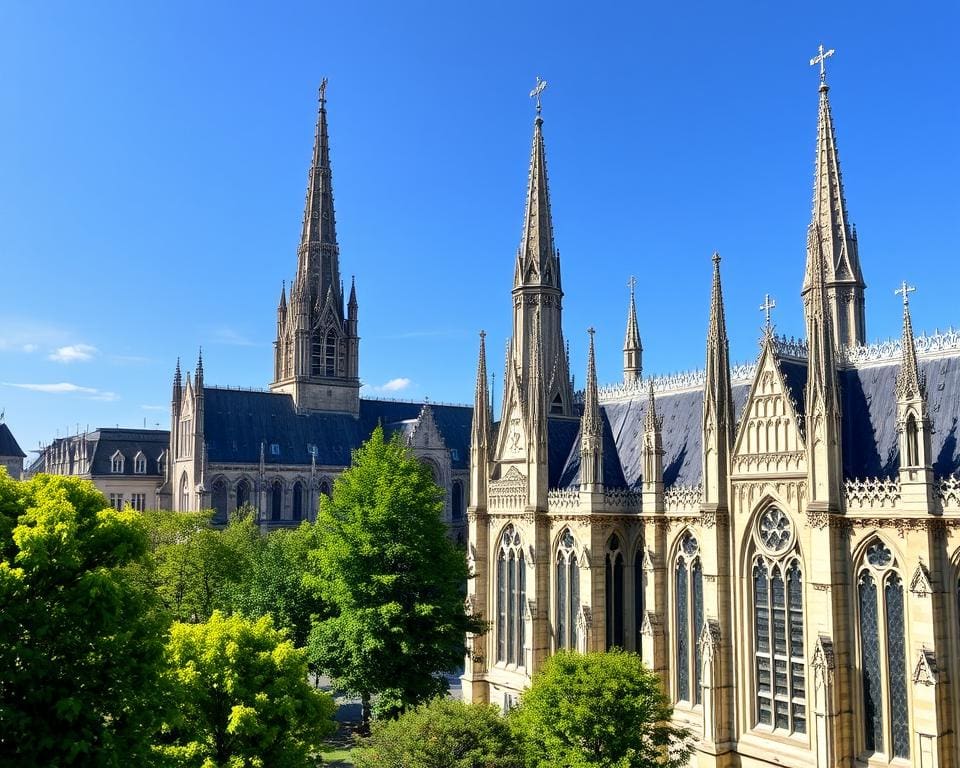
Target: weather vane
x: 768, y: 304
x: 821, y: 59
x: 323, y: 89
x: 535, y: 93
x: 905, y: 290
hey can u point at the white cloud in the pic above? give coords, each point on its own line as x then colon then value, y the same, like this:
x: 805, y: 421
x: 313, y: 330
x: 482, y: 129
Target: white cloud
x: 28, y: 348
x: 65, y: 387
x: 395, y: 385
x: 73, y: 353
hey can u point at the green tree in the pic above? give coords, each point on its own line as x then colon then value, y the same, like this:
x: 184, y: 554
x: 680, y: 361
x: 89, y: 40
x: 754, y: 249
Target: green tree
x: 196, y: 569
x: 598, y: 709
x: 240, y: 698
x: 443, y: 733
x: 274, y: 582
x: 392, y: 580
x: 82, y: 641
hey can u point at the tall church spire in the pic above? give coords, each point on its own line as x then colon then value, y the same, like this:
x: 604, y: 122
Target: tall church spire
x: 718, y: 419
x: 632, y: 348
x: 841, y: 259
x: 591, y: 429
x: 316, y: 354
x: 537, y: 293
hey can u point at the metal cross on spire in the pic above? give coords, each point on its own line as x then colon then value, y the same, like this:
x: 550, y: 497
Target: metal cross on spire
x: 821, y: 59
x: 535, y: 93
x: 632, y: 283
x: 768, y: 304
x: 905, y: 290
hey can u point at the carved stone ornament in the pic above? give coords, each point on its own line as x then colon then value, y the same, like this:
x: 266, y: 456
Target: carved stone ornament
x: 531, y: 556
x: 530, y: 610
x: 925, y: 672
x: 651, y: 624
x: 920, y: 583
x: 584, y: 619
x: 648, y: 564
x: 472, y: 559
x: 709, y: 638
x: 471, y: 605
x: 822, y: 662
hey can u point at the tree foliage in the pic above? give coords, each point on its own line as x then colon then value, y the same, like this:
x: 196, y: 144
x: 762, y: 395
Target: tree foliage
x: 391, y: 578
x: 82, y: 642
x: 598, y: 709
x: 240, y: 698
x: 443, y: 733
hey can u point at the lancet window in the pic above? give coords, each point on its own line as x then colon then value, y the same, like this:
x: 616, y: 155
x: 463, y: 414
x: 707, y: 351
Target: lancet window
x: 243, y: 493
x: 184, y: 493
x: 613, y: 568
x: 638, y: 584
x: 276, y: 500
x: 567, y: 591
x: 219, y: 501
x: 298, y: 500
x: 913, y: 447
x: 880, y: 599
x: 511, y: 598
x: 688, y: 585
x: 780, y: 682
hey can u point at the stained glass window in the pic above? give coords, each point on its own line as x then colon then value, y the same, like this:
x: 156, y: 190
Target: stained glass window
x: 896, y: 653
x: 689, y: 619
x: 614, y: 594
x: 511, y: 598
x: 683, y: 634
x: 870, y: 660
x: 697, y: 589
x: 638, y: 597
x: 568, y: 592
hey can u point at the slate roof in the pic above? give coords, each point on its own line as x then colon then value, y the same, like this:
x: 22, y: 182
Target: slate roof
x: 236, y: 422
x: 106, y: 442
x: 868, y: 406
x: 8, y: 443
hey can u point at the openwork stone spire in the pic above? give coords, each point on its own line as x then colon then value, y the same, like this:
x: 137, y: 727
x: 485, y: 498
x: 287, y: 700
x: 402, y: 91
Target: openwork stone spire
x: 591, y: 429
x: 841, y: 260
x: 537, y: 258
x: 632, y: 348
x: 911, y: 383
x: 718, y: 419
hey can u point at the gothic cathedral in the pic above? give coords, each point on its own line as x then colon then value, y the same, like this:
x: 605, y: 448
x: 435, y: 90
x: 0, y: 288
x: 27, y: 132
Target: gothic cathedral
x: 779, y: 541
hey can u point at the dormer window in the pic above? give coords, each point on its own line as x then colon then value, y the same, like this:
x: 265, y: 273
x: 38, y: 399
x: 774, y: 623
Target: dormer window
x: 454, y: 454
x: 160, y: 460
x: 274, y: 449
x: 139, y: 464
x: 116, y: 463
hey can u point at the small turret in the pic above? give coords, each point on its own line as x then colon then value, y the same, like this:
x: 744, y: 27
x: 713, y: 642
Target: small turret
x: 718, y: 420
x: 632, y: 348
x: 652, y: 455
x: 480, y: 431
x: 591, y: 430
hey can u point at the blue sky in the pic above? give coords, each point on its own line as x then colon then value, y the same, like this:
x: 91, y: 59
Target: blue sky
x: 153, y: 162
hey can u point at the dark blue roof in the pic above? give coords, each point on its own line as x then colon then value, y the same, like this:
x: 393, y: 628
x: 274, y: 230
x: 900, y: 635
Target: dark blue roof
x: 8, y: 444
x: 236, y: 422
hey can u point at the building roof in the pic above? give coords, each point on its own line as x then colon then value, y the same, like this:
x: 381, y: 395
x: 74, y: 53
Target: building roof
x: 8, y: 443
x: 237, y: 422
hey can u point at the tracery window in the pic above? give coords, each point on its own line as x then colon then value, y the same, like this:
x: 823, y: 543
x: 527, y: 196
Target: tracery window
x: 780, y: 684
x: 316, y: 356
x: 219, y: 501
x: 880, y: 598
x: 614, y: 583
x: 243, y: 493
x: 456, y: 501
x: 913, y: 448
x: 184, y: 493
x: 330, y: 354
x: 298, y: 500
x: 511, y: 598
x: 568, y: 591
x: 688, y: 585
x: 276, y: 500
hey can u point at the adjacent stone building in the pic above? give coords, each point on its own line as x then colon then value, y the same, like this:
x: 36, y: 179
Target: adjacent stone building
x: 11, y: 455
x: 128, y: 466
x: 278, y: 449
x: 780, y: 541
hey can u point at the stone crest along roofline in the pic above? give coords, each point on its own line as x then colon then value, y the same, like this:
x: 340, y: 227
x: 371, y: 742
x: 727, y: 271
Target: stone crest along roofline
x: 876, y: 353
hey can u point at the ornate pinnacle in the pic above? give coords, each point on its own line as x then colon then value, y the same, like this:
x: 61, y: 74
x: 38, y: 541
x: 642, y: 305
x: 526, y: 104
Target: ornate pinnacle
x: 910, y: 383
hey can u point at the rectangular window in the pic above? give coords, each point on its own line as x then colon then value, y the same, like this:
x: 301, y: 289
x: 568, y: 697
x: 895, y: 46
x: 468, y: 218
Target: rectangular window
x: 274, y: 449
x: 138, y: 501
x: 116, y: 501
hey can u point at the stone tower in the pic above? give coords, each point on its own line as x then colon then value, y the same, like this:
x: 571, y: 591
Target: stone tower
x: 830, y: 227
x: 316, y: 354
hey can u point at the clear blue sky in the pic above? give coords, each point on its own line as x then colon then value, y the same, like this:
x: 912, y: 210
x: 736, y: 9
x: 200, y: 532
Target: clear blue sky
x: 153, y: 162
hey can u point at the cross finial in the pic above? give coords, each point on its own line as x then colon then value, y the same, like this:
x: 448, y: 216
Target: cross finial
x: 323, y: 91
x: 905, y: 290
x: 483, y: 335
x: 768, y: 304
x: 821, y: 59
x: 538, y: 89
x: 632, y: 283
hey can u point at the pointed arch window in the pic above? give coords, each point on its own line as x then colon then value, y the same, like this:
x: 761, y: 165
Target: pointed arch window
x: 276, y: 500
x: 330, y: 354
x: 880, y: 600
x: 316, y: 356
x: 913, y: 442
x: 780, y: 671
x: 116, y: 463
x: 456, y: 501
x: 567, y: 592
x: 613, y: 571
x: 139, y: 464
x: 298, y: 500
x: 184, y: 493
x: 243, y: 493
x: 511, y: 598
x: 688, y: 585
x: 219, y: 500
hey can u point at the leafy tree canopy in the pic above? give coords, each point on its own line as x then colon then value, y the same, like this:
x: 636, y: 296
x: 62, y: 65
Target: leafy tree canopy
x: 598, y: 709
x: 240, y: 698
x: 82, y: 641
x: 392, y: 579
x: 443, y: 733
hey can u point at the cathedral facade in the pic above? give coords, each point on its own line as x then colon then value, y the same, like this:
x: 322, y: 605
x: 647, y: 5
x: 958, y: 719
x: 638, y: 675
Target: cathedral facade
x: 278, y: 449
x: 780, y: 541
